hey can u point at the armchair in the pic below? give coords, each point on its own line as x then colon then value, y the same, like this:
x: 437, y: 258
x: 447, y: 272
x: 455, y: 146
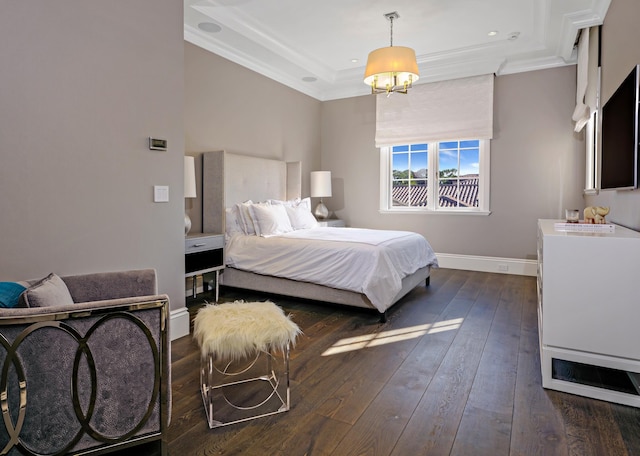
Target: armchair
x: 92, y: 376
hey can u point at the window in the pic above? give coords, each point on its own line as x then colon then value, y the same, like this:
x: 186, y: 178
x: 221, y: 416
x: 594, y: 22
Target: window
x: 456, y: 171
x: 592, y: 152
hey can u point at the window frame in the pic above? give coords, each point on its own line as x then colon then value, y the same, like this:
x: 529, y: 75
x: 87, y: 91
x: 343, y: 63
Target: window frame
x: 484, y: 179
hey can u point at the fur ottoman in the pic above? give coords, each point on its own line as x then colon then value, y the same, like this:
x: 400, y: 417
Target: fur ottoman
x: 244, y: 366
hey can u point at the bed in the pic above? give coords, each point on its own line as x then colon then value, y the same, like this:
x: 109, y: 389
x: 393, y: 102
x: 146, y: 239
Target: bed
x: 371, y: 269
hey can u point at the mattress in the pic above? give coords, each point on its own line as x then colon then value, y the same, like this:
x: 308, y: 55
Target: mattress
x: 371, y: 262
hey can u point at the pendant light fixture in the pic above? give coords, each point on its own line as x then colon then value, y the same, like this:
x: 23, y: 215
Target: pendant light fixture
x: 391, y: 69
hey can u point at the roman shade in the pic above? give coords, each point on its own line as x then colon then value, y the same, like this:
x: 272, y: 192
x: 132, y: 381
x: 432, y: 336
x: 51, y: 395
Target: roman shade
x: 438, y: 111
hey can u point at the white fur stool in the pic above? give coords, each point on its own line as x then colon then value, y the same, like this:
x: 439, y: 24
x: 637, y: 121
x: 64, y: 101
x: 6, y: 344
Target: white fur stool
x: 244, y: 364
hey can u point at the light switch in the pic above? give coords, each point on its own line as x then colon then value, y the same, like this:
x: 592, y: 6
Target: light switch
x: 160, y: 193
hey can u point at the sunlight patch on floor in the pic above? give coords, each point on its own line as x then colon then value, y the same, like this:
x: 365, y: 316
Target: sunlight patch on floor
x: 389, y: 337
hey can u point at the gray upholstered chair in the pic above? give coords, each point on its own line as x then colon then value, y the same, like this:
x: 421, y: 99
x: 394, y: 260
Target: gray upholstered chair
x: 90, y: 374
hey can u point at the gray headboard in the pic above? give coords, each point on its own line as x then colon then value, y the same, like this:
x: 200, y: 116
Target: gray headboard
x: 229, y: 178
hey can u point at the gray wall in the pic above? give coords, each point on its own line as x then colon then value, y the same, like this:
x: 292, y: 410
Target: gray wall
x: 537, y: 168
x: 620, y: 52
x: 82, y: 86
x: 228, y: 107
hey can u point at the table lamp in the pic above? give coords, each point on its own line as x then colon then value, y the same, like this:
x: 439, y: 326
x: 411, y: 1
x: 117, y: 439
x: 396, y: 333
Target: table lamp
x: 189, y: 187
x: 321, y: 188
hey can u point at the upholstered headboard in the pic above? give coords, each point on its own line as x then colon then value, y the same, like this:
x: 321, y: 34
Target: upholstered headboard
x: 231, y: 178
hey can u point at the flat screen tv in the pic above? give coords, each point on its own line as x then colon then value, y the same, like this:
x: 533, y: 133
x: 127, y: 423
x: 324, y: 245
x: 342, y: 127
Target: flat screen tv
x: 619, y: 160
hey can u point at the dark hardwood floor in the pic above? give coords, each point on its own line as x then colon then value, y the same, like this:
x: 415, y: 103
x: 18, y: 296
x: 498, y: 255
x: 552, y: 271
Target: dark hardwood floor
x: 455, y: 370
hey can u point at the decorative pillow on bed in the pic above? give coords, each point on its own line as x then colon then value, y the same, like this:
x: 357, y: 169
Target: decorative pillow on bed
x: 305, y: 202
x: 255, y: 218
x: 294, y: 202
x: 50, y: 291
x: 291, y: 202
x: 245, y: 217
x: 301, y: 217
x: 270, y: 220
x: 233, y: 224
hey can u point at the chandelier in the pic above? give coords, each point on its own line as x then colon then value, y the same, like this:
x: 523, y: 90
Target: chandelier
x: 391, y: 69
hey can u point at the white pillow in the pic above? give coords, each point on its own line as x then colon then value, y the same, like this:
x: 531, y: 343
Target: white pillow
x: 245, y: 217
x: 254, y: 218
x: 233, y: 224
x: 270, y: 220
x: 301, y: 217
x: 291, y: 202
x: 305, y: 202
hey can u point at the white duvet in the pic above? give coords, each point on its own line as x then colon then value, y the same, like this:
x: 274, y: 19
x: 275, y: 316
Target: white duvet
x: 372, y: 262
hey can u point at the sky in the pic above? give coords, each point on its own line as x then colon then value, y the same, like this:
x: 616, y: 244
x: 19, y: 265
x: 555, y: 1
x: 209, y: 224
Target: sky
x: 448, y: 157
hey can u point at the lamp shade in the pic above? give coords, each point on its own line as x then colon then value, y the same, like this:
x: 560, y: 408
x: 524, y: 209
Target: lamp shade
x: 189, y: 177
x: 391, y: 66
x: 320, y: 184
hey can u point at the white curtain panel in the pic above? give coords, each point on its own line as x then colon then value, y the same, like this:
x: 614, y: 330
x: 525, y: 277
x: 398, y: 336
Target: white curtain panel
x: 582, y: 113
x: 438, y: 111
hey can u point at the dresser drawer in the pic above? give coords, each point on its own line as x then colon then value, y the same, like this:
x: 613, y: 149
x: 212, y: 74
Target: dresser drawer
x: 202, y: 243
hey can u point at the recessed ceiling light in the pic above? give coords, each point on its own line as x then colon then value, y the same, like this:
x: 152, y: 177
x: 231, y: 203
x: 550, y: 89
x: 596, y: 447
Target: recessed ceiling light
x: 309, y: 79
x: 354, y: 60
x: 492, y: 33
x: 209, y: 27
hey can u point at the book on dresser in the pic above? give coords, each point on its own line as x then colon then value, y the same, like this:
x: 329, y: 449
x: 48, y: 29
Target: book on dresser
x: 582, y: 227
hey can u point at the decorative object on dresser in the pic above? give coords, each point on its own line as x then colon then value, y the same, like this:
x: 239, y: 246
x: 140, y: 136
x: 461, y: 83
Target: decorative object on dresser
x: 572, y: 215
x: 588, y: 313
x: 189, y: 187
x: 203, y: 253
x: 595, y: 214
x: 321, y: 188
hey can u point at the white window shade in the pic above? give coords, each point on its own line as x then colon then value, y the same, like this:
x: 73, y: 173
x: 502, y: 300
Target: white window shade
x: 438, y: 111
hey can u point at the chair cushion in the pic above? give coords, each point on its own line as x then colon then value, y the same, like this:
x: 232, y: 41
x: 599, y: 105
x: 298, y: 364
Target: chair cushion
x: 48, y: 292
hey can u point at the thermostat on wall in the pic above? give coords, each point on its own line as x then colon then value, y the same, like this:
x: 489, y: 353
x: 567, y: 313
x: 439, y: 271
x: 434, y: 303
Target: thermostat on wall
x: 157, y: 144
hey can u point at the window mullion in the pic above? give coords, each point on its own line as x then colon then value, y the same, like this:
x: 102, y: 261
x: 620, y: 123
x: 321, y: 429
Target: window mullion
x: 432, y: 175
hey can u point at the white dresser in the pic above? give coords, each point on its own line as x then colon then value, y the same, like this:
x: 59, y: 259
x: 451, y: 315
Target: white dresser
x: 589, y: 307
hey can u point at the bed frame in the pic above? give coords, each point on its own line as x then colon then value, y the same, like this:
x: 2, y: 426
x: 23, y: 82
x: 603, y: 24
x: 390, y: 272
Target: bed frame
x: 228, y: 179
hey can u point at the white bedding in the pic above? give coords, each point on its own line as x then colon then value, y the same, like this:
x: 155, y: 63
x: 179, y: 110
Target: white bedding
x: 372, y: 262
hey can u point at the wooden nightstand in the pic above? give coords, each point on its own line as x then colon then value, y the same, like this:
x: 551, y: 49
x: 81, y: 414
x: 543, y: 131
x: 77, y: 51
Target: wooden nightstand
x: 203, y: 253
x: 332, y: 222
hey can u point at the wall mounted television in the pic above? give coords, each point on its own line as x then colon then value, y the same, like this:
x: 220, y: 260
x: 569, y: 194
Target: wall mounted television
x: 619, y: 163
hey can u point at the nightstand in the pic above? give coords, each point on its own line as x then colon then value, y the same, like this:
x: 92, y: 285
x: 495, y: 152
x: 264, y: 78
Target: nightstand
x: 203, y: 253
x: 332, y: 222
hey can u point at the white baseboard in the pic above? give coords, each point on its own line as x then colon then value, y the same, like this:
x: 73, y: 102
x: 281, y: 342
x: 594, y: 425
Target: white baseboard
x: 179, y: 323
x: 488, y: 264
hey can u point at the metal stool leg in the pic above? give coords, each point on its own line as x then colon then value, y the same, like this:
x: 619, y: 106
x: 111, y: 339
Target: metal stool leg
x: 274, y: 386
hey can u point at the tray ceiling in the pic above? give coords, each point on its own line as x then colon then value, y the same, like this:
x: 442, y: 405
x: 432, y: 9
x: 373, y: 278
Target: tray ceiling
x: 321, y: 48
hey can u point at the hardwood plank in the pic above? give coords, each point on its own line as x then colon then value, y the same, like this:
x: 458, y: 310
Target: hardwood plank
x: 485, y: 428
x: 421, y: 365
x: 432, y: 428
x: 349, y: 401
x: 538, y: 427
x: 589, y: 425
x: 380, y: 425
x: 312, y: 435
x: 628, y: 421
